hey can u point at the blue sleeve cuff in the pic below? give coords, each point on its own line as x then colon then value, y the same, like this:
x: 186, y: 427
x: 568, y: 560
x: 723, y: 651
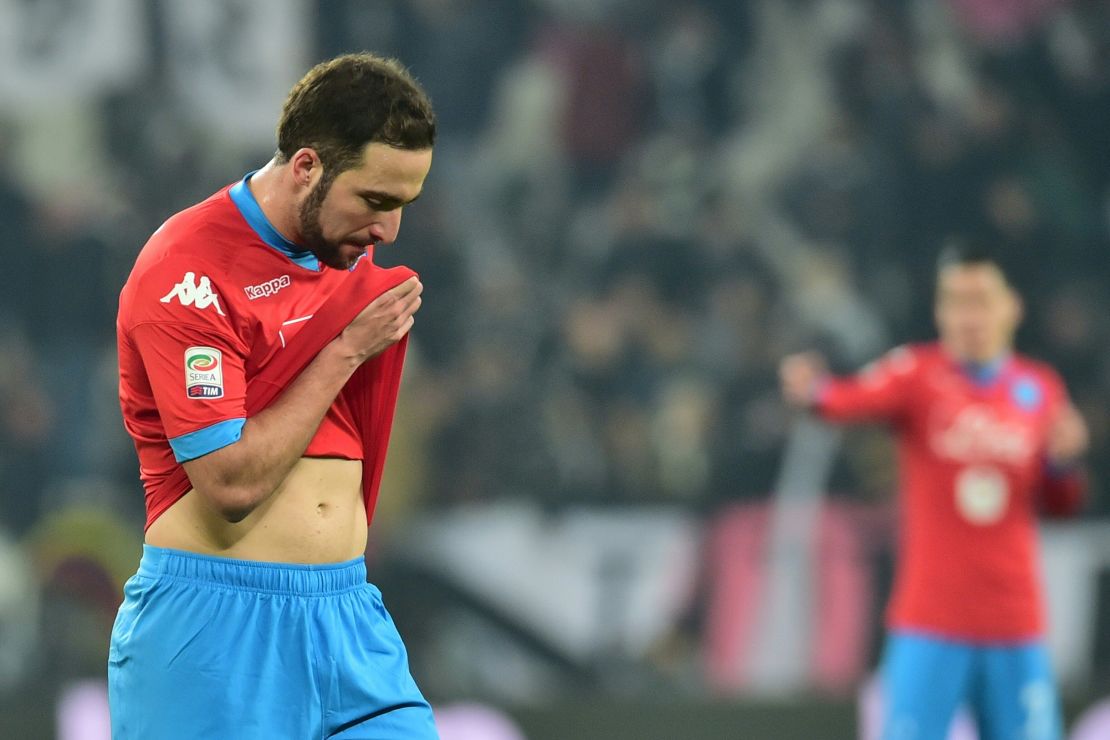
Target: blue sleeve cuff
x: 195, y: 444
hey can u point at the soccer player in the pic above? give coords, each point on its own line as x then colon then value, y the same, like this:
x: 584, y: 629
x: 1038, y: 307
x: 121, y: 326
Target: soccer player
x: 986, y: 440
x: 250, y: 616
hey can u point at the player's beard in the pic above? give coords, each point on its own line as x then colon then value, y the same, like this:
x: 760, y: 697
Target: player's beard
x: 312, y: 231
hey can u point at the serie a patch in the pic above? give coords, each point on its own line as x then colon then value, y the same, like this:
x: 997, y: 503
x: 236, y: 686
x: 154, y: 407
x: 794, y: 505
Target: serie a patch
x: 204, y: 373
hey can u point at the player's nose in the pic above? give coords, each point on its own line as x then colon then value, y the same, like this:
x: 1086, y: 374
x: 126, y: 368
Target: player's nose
x: 385, y: 228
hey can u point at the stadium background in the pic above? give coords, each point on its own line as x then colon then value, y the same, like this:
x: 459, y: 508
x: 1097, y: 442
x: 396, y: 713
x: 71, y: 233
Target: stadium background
x: 635, y: 210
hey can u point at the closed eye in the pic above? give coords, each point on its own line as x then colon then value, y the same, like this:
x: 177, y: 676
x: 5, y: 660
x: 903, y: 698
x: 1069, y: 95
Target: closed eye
x: 379, y: 201
x: 378, y: 205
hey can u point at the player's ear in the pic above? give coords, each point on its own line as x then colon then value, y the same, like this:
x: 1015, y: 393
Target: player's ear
x: 306, y: 167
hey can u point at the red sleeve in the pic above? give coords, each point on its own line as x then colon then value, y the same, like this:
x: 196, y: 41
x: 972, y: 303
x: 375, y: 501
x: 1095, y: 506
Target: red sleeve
x: 880, y: 392
x: 192, y: 355
x: 1063, y: 491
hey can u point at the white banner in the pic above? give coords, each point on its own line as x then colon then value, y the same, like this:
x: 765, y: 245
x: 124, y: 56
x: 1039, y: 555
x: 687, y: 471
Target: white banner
x: 232, y: 62
x: 67, y: 50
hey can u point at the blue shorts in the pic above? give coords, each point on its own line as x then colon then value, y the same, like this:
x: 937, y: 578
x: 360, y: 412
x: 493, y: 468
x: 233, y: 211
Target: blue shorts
x: 209, y: 647
x: 1008, y: 688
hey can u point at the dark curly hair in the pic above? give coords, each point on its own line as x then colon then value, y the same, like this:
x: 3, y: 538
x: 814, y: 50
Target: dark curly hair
x: 350, y: 101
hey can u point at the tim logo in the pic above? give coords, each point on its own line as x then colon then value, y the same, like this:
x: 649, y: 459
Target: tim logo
x: 192, y: 292
x: 204, y: 374
x: 267, y: 288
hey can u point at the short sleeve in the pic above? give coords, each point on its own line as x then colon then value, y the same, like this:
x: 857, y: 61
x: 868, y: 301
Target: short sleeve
x: 193, y: 357
x: 198, y: 383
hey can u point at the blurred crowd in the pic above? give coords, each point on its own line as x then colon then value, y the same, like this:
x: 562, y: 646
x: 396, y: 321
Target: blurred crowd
x: 635, y: 210
x: 637, y: 213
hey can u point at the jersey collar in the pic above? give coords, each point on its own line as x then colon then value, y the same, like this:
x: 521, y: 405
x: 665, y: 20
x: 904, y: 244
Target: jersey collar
x: 245, y: 201
x: 984, y: 374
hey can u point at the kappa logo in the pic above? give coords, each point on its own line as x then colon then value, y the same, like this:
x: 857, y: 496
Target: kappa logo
x: 268, y: 288
x: 204, y: 373
x: 194, y: 293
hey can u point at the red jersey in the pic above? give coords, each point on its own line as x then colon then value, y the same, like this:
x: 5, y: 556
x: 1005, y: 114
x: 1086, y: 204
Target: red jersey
x: 971, y: 447
x: 214, y: 295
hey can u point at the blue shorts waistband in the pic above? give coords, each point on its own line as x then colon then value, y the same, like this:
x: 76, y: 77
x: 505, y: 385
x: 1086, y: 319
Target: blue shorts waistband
x: 972, y: 642
x: 254, y: 575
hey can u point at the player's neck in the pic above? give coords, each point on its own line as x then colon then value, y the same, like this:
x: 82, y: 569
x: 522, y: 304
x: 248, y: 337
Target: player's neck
x: 985, y: 372
x: 272, y: 193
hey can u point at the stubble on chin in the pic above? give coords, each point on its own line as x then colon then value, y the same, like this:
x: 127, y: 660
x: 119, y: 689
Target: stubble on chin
x: 312, y: 231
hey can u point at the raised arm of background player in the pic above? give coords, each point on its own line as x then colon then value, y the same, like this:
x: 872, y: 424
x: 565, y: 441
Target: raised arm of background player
x: 880, y: 393
x: 237, y: 478
x: 884, y: 393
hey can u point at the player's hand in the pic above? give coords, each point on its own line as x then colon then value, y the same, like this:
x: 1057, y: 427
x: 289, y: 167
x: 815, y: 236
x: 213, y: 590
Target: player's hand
x: 1068, y: 437
x: 383, y: 323
x: 801, y: 376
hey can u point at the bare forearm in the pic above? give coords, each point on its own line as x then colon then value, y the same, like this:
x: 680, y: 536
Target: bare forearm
x: 239, y: 477
x: 277, y: 436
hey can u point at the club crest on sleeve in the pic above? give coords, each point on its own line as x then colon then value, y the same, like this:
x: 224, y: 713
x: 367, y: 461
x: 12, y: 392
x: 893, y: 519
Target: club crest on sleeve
x: 193, y: 292
x: 1027, y: 393
x: 204, y: 374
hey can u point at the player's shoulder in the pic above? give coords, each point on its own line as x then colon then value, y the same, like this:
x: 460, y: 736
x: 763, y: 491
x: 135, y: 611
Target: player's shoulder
x: 907, y: 358
x: 1038, y: 371
x: 896, y: 365
x: 926, y: 352
x: 200, y: 238
x: 200, y: 232
x: 184, y: 265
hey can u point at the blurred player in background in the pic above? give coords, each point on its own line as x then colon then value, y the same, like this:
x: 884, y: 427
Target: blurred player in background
x: 250, y: 615
x: 987, y: 439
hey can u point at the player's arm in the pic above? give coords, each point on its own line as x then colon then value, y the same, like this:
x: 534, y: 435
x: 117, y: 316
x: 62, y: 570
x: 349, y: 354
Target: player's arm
x: 1065, y: 480
x: 236, y: 478
x: 877, y: 393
